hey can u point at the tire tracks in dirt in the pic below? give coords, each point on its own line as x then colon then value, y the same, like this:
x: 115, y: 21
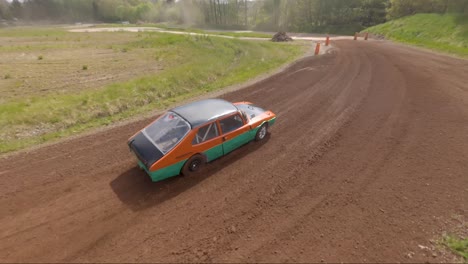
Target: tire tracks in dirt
x: 369, y: 150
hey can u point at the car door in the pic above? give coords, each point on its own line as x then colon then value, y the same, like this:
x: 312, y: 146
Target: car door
x: 208, y: 141
x: 235, y: 132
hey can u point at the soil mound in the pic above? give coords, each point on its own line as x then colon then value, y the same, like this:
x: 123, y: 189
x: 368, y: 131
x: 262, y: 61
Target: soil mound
x: 281, y: 37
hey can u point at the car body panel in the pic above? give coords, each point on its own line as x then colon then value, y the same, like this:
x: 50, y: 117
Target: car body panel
x: 236, y: 139
x: 214, y: 153
x: 172, y: 162
x: 163, y: 173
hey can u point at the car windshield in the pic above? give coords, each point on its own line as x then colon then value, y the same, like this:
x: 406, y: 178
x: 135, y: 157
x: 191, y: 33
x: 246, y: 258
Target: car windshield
x: 167, y: 131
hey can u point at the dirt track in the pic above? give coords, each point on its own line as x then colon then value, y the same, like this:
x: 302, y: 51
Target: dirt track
x: 368, y: 160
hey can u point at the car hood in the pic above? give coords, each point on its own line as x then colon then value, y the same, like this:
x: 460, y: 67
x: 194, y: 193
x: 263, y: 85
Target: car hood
x: 250, y: 109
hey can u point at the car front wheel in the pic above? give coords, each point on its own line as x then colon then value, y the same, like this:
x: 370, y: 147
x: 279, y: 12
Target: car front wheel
x: 261, y: 133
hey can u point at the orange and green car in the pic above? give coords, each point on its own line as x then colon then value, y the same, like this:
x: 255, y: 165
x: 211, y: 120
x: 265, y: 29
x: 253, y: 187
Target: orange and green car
x: 182, y: 140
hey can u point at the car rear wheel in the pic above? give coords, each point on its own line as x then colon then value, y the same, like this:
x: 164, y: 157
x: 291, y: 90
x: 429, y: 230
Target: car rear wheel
x: 193, y: 165
x: 261, y: 133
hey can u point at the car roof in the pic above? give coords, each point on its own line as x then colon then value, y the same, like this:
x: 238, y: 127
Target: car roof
x: 201, y: 112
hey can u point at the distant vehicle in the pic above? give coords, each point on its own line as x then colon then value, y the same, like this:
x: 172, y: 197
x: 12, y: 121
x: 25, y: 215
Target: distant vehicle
x: 182, y: 140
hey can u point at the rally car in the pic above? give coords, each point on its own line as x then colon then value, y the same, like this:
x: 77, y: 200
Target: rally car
x: 183, y: 139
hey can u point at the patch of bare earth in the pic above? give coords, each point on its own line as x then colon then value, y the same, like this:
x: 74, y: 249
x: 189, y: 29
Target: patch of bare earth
x: 42, y: 66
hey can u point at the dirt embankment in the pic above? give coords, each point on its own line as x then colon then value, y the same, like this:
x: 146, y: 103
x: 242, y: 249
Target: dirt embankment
x: 367, y: 162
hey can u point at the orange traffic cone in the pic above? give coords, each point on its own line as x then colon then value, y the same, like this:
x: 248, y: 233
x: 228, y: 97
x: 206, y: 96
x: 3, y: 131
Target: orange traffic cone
x: 317, y: 48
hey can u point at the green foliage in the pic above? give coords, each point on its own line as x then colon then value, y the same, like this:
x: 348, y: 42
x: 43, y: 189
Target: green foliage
x: 77, y: 10
x: 457, y: 245
x: 401, y: 8
x: 5, y: 12
x: 448, y: 33
x: 84, y: 67
x: 321, y: 16
x: 16, y: 8
x: 373, y: 12
x: 40, y: 57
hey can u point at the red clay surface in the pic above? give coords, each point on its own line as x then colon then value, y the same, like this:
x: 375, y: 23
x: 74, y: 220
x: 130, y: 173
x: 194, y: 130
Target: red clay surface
x: 368, y: 161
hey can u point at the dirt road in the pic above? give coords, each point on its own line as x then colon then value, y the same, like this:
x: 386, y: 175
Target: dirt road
x: 368, y: 161
x: 295, y: 36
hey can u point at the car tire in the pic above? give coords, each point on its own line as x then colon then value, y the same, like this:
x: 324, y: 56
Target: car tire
x: 261, y: 132
x: 193, y: 165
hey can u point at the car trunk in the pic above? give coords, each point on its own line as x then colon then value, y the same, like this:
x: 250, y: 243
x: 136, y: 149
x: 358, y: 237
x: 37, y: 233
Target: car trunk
x: 145, y: 150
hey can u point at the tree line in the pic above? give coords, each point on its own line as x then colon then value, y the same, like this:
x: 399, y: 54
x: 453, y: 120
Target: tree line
x: 272, y: 15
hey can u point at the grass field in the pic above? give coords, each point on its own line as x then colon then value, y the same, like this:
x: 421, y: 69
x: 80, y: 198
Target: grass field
x: 192, y: 30
x: 55, y: 83
x: 447, y: 33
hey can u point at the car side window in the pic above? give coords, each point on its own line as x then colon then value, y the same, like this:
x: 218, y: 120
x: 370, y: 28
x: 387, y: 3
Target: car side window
x: 205, y: 133
x: 231, y: 123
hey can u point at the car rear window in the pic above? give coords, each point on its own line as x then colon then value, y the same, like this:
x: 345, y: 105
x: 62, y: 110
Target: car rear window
x: 166, y: 132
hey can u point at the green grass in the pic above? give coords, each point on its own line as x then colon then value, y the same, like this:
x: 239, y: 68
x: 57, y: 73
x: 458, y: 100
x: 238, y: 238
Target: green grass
x: 457, y: 245
x: 447, y: 33
x: 33, y: 32
x: 192, y: 65
x: 51, y: 38
x: 239, y: 34
x: 192, y: 30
